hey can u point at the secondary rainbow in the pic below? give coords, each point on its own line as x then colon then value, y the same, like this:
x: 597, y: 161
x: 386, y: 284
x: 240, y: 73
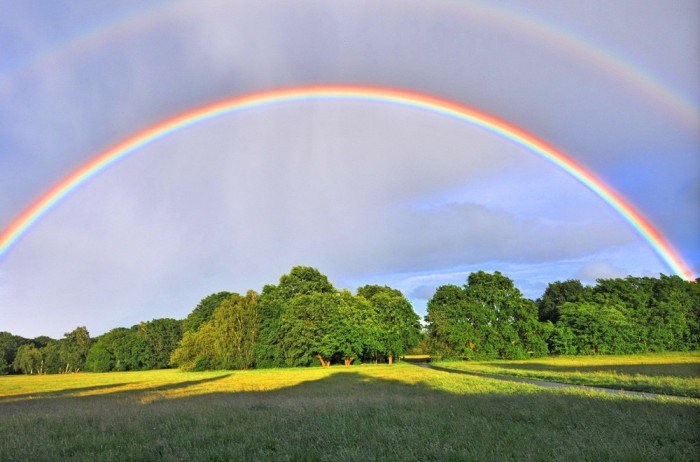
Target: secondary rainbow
x: 104, y: 160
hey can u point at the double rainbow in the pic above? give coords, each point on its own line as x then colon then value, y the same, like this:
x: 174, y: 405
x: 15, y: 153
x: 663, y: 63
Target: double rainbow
x: 31, y: 215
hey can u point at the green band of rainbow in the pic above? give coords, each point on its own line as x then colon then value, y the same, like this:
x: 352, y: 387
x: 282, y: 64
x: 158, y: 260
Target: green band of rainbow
x: 23, y: 222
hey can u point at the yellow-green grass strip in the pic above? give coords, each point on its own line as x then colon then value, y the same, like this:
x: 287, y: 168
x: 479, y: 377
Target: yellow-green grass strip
x: 675, y: 374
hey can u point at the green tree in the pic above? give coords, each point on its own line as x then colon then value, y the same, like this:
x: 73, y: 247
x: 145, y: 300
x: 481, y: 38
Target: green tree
x: 511, y: 329
x: 555, y: 295
x: 235, y: 326
x: 99, y: 358
x: 357, y: 328
x: 9, y: 344
x: 160, y: 338
x: 275, y: 302
x: 598, y: 328
x: 487, y: 318
x: 397, y: 325
x: 120, y: 349
x: 310, y: 329
x: 674, y: 315
x: 451, y: 332
x: 196, y: 350
x: 28, y: 359
x: 226, y: 341
x: 204, y: 311
x: 51, y: 357
x: 74, y: 349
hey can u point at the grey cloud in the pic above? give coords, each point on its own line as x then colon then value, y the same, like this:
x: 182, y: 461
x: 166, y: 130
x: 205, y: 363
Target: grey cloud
x: 599, y: 270
x: 353, y: 188
x: 422, y: 292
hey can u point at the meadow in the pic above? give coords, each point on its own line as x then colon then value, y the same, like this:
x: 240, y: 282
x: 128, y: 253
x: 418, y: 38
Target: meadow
x: 367, y: 412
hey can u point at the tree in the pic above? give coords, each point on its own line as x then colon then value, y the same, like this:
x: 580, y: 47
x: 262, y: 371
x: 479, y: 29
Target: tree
x: 302, y: 280
x: 235, y: 326
x: 311, y: 328
x: 487, y: 318
x: 597, y: 328
x: 450, y: 331
x: 204, y: 311
x: 674, y: 314
x: 509, y: 326
x: 120, y: 349
x: 275, y: 302
x: 398, y: 326
x: 9, y: 344
x: 160, y: 337
x: 74, y: 349
x: 555, y: 295
x: 226, y: 341
x: 99, y: 358
x: 357, y: 329
x: 28, y: 359
x: 51, y: 357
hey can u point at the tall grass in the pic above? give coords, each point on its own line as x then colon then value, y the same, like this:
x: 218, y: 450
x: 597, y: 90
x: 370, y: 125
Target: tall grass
x: 399, y: 412
x: 669, y: 373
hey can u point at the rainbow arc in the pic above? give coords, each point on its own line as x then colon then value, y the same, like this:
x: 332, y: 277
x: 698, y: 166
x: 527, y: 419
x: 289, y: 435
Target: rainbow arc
x: 134, y: 143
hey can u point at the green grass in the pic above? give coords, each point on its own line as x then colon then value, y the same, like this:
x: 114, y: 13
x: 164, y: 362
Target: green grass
x: 399, y: 412
x: 669, y: 373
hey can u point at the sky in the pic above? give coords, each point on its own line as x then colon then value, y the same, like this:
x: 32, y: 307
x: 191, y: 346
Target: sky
x: 367, y: 192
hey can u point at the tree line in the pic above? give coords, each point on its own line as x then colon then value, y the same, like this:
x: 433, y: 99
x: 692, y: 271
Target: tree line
x: 303, y: 320
x: 488, y: 318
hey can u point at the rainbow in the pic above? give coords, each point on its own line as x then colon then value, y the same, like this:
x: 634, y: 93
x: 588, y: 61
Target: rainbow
x: 104, y: 160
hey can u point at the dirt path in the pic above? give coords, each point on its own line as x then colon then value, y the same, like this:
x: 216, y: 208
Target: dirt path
x: 543, y: 383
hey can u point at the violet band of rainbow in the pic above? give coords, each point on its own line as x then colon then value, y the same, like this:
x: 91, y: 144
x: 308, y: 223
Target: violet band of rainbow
x: 20, y: 225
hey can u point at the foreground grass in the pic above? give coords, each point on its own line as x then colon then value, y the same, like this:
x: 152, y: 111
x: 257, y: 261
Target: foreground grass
x: 399, y: 412
x: 669, y: 373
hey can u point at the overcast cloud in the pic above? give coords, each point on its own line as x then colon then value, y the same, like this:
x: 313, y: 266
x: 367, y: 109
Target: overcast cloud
x: 366, y: 192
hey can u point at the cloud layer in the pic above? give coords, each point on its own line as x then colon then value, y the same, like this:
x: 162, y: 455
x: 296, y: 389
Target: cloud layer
x: 367, y: 192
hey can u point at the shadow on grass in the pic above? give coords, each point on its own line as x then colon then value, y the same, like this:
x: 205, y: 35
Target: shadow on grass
x: 355, y: 415
x: 59, y: 393
x: 137, y: 389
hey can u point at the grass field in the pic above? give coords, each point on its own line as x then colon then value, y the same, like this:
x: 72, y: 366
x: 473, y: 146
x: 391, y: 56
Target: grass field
x: 369, y: 412
x: 669, y: 373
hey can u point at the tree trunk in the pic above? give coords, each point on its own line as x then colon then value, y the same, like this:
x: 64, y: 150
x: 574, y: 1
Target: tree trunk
x: 391, y: 359
x: 348, y: 361
x: 323, y: 362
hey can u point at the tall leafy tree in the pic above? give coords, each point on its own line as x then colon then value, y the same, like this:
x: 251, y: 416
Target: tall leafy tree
x: 275, y: 302
x: 28, y: 359
x: 555, y: 295
x: 397, y: 325
x: 99, y: 358
x: 359, y: 331
x: 674, y: 314
x: 511, y: 329
x: 74, y: 349
x: 487, y: 318
x: 451, y: 332
x: 161, y: 337
x: 51, y: 357
x: 312, y: 329
x: 597, y: 328
x: 9, y: 344
x: 204, y: 311
x: 226, y: 341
